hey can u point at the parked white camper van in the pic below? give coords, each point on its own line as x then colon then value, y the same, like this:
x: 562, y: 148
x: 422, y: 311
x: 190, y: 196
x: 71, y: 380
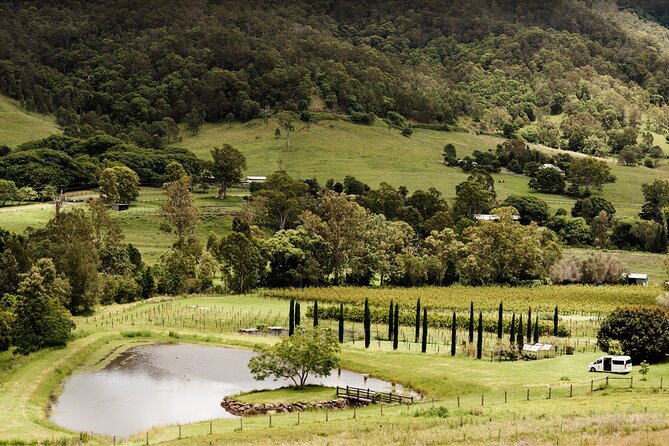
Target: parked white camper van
x: 612, y: 364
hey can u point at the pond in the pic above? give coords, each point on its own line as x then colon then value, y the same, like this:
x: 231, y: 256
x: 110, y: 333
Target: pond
x: 164, y: 384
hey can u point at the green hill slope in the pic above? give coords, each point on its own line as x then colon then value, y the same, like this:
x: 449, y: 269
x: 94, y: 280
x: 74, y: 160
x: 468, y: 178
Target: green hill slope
x: 18, y: 126
x: 373, y: 154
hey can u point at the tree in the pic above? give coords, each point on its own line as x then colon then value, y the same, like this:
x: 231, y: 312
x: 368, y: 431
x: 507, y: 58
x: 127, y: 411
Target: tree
x: 450, y: 155
x: 520, y: 340
x: 315, y: 314
x: 291, y: 317
x: 479, y: 338
x: 226, y: 167
x: 548, y: 181
x: 500, y: 322
x: 6, y: 322
x: 471, y: 322
x: 590, y: 173
x: 643, y: 332
x: 340, y: 228
x: 630, y: 156
x: 590, y: 207
x: 298, y: 315
x: 241, y: 262
x: 367, y: 323
x: 341, y: 323
x: 287, y: 120
x: 656, y: 197
x: 512, y: 329
x: 396, y: 327
x: 424, y: 343
x: 453, y: 335
x: 531, y: 209
x: 26, y: 193
x: 40, y: 319
x: 230, y: 118
x: 391, y: 330
x: 8, y: 191
x: 174, y: 171
x: 472, y: 198
x: 536, y: 330
x: 417, y: 320
x: 179, y: 209
x: 307, y: 353
x: 555, y: 322
x: 280, y: 200
x: 529, y: 325
x: 194, y: 120
x: 118, y: 184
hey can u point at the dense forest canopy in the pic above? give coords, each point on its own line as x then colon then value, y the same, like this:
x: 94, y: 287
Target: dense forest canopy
x: 134, y: 69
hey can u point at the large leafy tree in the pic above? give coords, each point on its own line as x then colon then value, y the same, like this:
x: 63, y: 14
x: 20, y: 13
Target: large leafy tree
x: 118, y: 184
x: 339, y: 227
x: 590, y: 172
x: 656, y: 196
x: 226, y: 167
x: 40, y: 318
x: 531, y: 209
x: 312, y: 352
x: 643, y: 333
x: 179, y: 210
x: 241, y: 260
x: 280, y: 200
x: 471, y: 197
x: 549, y: 181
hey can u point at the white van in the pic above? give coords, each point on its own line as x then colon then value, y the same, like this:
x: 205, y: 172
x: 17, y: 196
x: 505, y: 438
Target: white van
x: 611, y: 364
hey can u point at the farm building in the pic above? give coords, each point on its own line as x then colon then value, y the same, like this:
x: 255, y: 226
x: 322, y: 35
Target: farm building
x: 636, y: 279
x: 551, y: 166
x: 251, y: 179
x: 491, y: 217
x: 119, y: 206
x: 539, y: 351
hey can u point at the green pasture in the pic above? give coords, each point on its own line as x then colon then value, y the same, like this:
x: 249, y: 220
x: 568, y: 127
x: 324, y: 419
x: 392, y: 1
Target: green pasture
x: 140, y: 223
x: 374, y: 154
x: 18, y: 125
x: 27, y: 384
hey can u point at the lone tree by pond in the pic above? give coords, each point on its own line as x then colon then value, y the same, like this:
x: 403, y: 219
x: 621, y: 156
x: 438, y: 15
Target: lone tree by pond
x: 308, y: 352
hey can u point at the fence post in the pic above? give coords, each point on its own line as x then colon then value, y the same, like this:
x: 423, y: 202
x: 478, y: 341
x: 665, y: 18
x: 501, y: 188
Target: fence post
x: 270, y: 420
x: 607, y: 381
x: 571, y: 390
x: 592, y: 384
x: 179, y: 432
x: 298, y: 417
x: 481, y: 400
x: 528, y: 394
x: 631, y: 381
x: 241, y: 423
x: 549, y: 392
x: 326, y: 415
x: 147, y: 438
x: 354, y: 415
x: 381, y: 407
x: 210, y: 427
x: 661, y: 383
x: 458, y: 401
x: 505, y: 396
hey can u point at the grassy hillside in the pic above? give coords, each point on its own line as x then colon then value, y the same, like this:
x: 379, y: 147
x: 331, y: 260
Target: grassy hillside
x: 373, y: 154
x: 18, y: 126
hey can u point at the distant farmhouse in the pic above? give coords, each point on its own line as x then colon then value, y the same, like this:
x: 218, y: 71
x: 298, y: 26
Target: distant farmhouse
x: 253, y: 179
x: 636, y: 279
x: 492, y: 217
x: 551, y: 166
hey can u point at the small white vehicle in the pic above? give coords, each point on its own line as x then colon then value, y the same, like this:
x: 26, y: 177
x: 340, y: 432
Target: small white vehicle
x: 611, y: 364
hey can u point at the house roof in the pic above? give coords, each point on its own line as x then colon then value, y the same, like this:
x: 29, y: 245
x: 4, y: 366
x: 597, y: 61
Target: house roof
x: 637, y: 276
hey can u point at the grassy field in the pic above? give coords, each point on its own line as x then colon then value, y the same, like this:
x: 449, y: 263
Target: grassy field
x: 334, y: 149
x: 458, y: 383
x: 18, y: 126
x: 140, y: 223
x: 288, y: 395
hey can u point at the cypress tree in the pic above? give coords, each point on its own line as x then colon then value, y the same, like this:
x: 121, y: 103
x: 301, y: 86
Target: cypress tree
x: 417, y: 320
x: 291, y: 318
x: 512, y: 338
x: 341, y: 323
x: 471, y: 322
x: 500, y: 326
x: 520, y: 340
x: 536, y: 330
x: 479, y: 340
x: 390, y: 322
x: 529, y: 325
x: 555, y: 322
x: 453, y: 336
x: 298, y: 314
x: 424, y: 346
x: 396, y: 327
x: 367, y: 323
x: 315, y: 313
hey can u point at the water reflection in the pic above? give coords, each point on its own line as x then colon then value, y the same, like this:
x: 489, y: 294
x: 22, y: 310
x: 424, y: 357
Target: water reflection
x: 156, y: 385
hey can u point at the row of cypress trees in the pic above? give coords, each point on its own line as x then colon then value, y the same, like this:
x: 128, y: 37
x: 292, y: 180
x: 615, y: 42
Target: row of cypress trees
x: 516, y: 335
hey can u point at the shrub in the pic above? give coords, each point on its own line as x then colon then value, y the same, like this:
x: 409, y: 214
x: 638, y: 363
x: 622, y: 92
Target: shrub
x: 643, y: 332
x: 407, y: 131
x: 439, y: 412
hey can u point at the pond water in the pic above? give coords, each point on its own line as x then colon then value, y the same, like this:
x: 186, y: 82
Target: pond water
x: 164, y: 384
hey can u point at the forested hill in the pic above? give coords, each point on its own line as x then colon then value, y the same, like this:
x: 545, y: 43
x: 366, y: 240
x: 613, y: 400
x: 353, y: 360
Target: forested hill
x: 135, y: 68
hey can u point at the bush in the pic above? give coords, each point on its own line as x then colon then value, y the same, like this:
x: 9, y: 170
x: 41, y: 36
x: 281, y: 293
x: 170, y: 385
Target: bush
x: 407, y: 131
x: 595, y: 269
x: 438, y: 412
x: 643, y: 332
